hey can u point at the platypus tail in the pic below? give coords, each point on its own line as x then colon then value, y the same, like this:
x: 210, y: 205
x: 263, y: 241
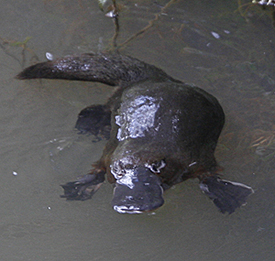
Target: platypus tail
x: 111, y: 69
x: 226, y: 195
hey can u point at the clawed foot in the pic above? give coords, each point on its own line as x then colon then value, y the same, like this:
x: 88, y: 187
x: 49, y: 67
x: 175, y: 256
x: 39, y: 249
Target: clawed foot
x: 84, y: 187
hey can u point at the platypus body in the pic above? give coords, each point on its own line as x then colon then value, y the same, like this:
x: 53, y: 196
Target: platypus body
x: 161, y: 132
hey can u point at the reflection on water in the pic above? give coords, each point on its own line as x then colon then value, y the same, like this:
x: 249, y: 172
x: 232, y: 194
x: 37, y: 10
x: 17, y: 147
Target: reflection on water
x: 225, y: 47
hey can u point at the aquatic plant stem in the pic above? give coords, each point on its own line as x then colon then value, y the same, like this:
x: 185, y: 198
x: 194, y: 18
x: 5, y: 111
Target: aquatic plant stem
x: 150, y: 24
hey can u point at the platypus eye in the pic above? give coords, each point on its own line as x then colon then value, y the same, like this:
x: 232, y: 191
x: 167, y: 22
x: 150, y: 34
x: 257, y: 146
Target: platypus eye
x: 156, y: 166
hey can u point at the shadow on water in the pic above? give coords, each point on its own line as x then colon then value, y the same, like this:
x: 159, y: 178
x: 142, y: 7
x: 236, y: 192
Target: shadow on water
x: 225, y: 47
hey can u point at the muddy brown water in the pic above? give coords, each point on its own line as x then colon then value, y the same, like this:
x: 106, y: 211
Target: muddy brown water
x: 225, y: 48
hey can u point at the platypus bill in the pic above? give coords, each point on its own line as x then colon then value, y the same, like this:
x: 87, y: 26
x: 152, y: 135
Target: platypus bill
x: 160, y: 132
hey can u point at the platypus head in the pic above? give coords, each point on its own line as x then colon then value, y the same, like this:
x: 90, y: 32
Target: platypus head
x: 137, y: 191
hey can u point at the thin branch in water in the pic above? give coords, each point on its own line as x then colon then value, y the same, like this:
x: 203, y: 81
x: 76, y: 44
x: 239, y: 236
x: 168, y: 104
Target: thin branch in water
x: 150, y: 24
x: 116, y: 21
x: 113, y: 12
x: 4, y: 48
x: 24, y: 47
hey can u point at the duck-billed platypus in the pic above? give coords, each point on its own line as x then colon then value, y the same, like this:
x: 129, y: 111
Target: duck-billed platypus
x: 161, y: 132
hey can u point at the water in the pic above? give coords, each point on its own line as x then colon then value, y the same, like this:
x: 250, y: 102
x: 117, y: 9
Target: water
x: 226, y: 50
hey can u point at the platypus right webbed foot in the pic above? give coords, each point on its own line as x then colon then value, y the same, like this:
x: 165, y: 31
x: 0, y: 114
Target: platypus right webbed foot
x: 84, y: 187
x: 226, y: 195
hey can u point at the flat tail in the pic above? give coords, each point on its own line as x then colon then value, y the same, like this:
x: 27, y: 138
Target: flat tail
x: 40, y: 70
x: 111, y: 69
x: 226, y: 195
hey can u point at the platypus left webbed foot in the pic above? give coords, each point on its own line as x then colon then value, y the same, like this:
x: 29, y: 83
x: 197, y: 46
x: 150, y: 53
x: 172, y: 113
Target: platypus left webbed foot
x: 95, y: 119
x: 84, y: 187
x: 226, y: 195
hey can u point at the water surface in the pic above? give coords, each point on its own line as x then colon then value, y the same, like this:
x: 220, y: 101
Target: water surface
x: 225, y: 48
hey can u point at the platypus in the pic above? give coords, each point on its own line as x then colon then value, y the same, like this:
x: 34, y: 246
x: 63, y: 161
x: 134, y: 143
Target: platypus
x: 160, y: 131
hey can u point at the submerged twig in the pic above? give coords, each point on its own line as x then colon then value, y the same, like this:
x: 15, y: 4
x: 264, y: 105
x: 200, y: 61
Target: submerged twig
x: 22, y: 44
x: 150, y: 24
x: 116, y: 22
x: 113, y: 12
x: 2, y: 46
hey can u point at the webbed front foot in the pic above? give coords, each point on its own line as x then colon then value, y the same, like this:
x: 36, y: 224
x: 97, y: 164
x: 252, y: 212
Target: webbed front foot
x: 84, y: 187
x: 226, y: 195
x: 95, y: 119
